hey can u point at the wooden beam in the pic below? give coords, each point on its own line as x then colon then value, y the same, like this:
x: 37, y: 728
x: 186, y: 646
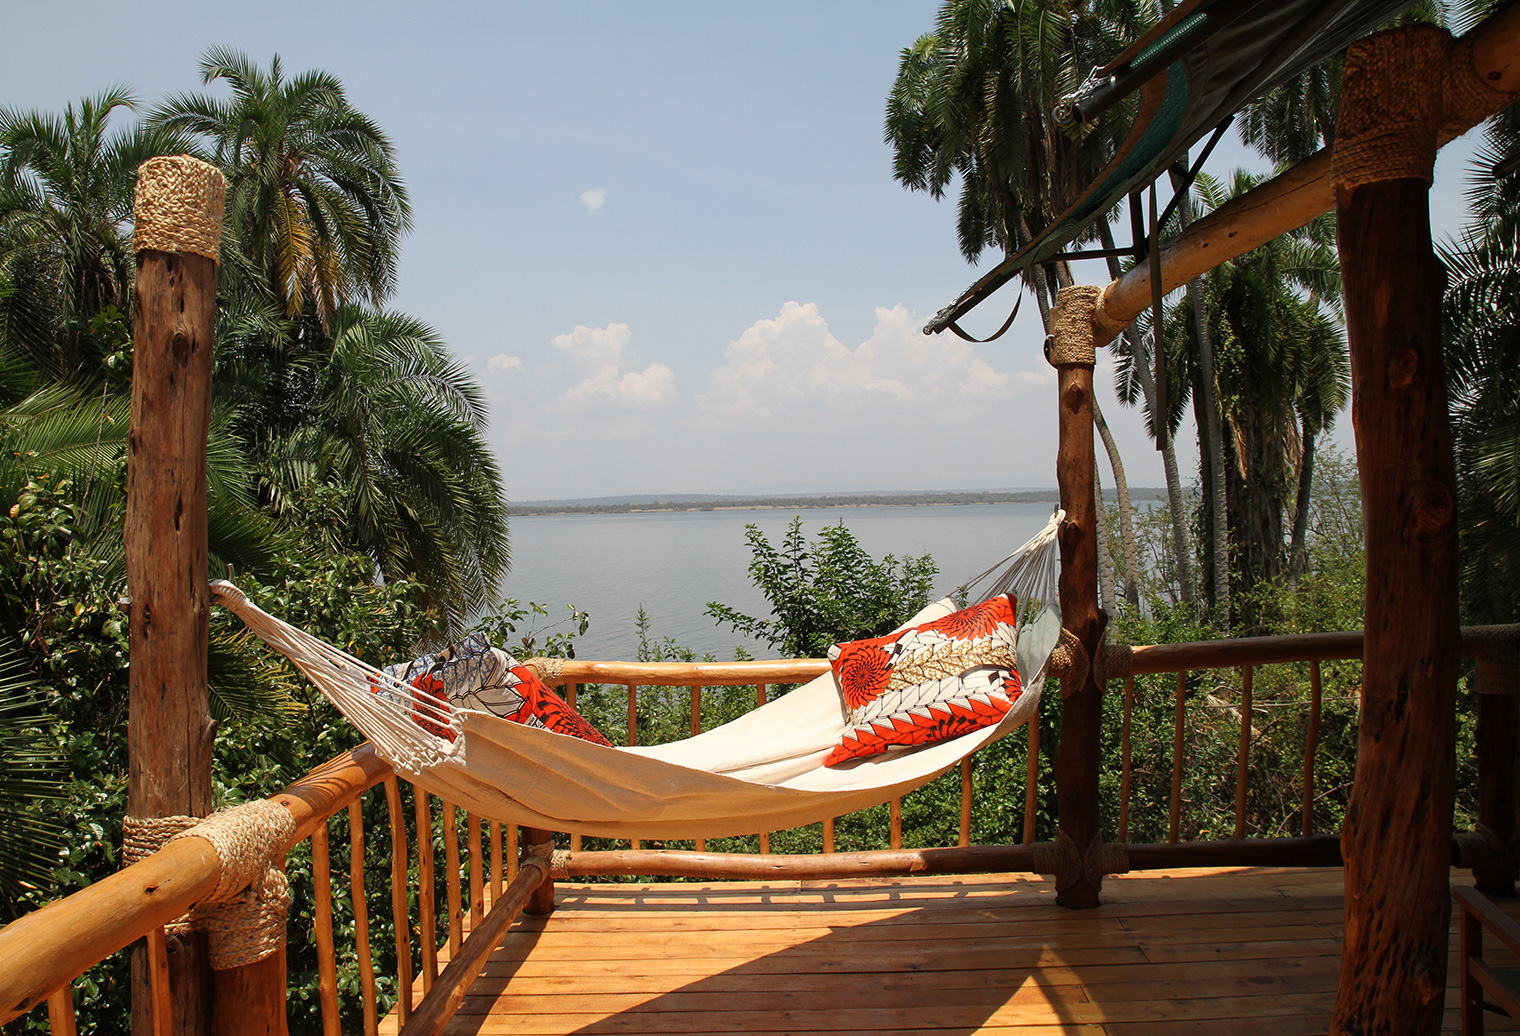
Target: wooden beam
x: 1295, y: 197
x: 1397, y: 836
x: 169, y: 729
x: 1077, y: 755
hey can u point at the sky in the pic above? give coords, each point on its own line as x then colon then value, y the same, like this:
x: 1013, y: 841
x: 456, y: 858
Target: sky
x: 664, y: 236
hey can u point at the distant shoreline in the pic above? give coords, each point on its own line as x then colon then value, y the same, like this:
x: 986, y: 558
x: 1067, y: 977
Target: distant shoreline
x: 788, y: 503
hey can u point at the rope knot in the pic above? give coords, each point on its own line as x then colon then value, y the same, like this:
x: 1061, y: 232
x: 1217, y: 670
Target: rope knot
x: 1069, y: 663
x: 244, y: 917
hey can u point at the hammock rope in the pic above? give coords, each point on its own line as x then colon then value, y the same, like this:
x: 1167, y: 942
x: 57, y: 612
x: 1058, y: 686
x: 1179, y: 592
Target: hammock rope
x: 761, y: 772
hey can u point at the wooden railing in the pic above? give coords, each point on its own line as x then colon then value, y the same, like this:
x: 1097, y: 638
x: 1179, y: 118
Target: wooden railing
x: 43, y: 953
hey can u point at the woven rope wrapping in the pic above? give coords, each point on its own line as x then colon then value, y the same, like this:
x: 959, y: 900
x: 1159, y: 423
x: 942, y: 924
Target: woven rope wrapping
x: 559, y: 866
x: 1469, y: 98
x: 550, y: 670
x: 1114, y: 662
x: 1498, y: 644
x: 1071, y: 326
x: 1068, y: 663
x: 179, y: 207
x: 1391, y: 106
x: 244, y: 917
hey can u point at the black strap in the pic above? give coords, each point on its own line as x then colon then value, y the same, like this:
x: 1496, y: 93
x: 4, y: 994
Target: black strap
x: 952, y: 325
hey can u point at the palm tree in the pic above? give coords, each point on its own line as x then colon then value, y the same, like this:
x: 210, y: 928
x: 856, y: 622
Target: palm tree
x: 1281, y: 372
x: 314, y: 199
x: 379, y: 430
x: 66, y: 186
x: 973, y: 100
x: 1483, y: 370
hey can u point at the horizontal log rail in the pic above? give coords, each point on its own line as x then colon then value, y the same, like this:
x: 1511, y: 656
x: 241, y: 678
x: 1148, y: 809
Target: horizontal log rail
x: 41, y: 953
x: 1313, y: 851
x: 44, y: 950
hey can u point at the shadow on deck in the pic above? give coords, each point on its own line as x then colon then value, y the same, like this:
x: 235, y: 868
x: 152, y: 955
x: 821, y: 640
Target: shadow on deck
x: 1238, y: 951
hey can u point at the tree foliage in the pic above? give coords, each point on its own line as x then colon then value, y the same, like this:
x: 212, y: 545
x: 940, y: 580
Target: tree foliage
x: 826, y: 591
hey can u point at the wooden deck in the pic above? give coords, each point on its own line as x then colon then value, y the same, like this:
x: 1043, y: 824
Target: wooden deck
x: 1239, y: 952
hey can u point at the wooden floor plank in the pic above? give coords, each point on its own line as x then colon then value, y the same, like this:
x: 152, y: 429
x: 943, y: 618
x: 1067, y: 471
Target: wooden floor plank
x: 1190, y: 951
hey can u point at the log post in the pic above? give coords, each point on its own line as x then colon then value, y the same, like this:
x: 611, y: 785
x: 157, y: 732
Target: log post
x: 178, y: 221
x: 1498, y: 687
x: 1397, y: 835
x: 1071, y: 352
x: 541, y: 902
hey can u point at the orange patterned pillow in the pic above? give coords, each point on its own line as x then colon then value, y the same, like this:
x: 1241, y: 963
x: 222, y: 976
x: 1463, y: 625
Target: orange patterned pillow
x: 474, y: 675
x: 928, y: 683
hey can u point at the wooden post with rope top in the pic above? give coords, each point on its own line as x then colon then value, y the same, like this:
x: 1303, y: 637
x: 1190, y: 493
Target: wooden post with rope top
x: 1397, y: 836
x: 170, y: 732
x: 1071, y: 352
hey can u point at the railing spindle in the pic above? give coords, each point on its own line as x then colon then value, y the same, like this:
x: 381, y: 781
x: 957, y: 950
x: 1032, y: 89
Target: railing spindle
x: 61, y: 1011
x: 570, y: 689
x: 477, y: 877
x: 696, y: 710
x: 512, y: 851
x: 158, y: 982
x: 965, y: 831
x: 1175, y: 820
x: 496, y: 863
x: 759, y: 695
x: 399, y: 918
x: 322, y: 920
x: 895, y: 834
x: 828, y: 835
x: 361, y: 916
x: 1129, y: 706
x: 427, y: 918
x: 1032, y: 779
x: 1243, y: 761
x: 451, y: 876
x: 633, y: 735
x: 1311, y: 745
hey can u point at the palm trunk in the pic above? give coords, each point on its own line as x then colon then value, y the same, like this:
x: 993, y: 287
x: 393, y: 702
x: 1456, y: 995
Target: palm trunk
x: 1126, y: 520
x: 1180, y: 546
x: 1299, y: 552
x: 1105, y: 555
x: 1213, y: 442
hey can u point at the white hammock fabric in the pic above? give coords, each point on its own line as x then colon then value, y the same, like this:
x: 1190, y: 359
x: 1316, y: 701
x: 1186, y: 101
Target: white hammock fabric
x: 762, y: 772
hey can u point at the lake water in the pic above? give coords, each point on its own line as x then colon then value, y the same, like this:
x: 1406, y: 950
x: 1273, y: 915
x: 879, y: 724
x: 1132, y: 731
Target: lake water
x: 674, y: 563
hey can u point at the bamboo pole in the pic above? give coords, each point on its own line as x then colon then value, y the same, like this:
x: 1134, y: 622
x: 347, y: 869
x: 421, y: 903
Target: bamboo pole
x: 61, y: 1020
x: 1243, y: 754
x: 1032, y: 779
x: 1174, y: 820
x: 1124, y: 771
x: 322, y: 926
x: 1398, y: 824
x: 497, y: 872
x: 361, y: 917
x: 169, y: 730
x: 159, y: 979
x: 964, y: 838
x: 451, y: 876
x: 477, y: 877
x: 1311, y: 746
x: 427, y: 918
x: 438, y: 1007
x: 400, y: 917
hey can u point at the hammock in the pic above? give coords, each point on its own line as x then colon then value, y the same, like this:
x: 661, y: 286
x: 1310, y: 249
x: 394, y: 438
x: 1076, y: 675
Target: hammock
x: 761, y: 772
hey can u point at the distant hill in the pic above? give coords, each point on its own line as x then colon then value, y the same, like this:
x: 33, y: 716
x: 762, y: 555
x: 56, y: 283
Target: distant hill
x: 712, y: 502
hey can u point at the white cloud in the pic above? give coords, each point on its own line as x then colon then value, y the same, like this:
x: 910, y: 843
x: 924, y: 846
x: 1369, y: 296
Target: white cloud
x: 594, y: 199
x: 503, y: 362
x: 793, y: 362
x: 598, y: 355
